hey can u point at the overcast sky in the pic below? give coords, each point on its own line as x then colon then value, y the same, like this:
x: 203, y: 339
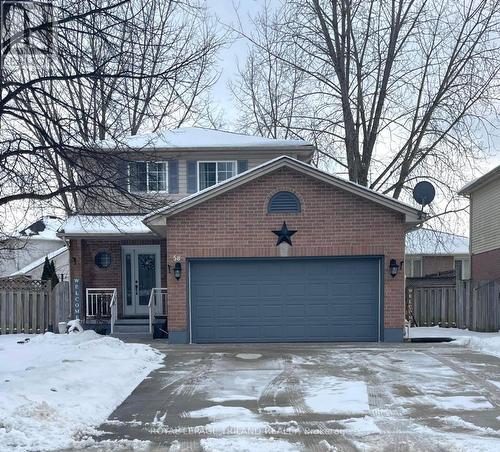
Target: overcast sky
x: 233, y: 13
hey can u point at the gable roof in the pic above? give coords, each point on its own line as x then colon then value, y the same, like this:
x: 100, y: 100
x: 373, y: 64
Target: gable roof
x: 480, y: 181
x: 202, y: 138
x: 40, y: 261
x: 424, y: 241
x: 412, y: 215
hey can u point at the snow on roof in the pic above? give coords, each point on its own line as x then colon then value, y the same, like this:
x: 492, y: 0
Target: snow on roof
x: 43, y: 229
x: 427, y: 241
x: 38, y: 262
x: 480, y: 181
x: 285, y: 159
x: 198, y: 137
x: 77, y: 225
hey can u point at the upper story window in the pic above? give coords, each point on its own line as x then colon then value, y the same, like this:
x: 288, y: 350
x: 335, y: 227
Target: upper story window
x: 284, y: 202
x: 145, y: 177
x: 211, y: 173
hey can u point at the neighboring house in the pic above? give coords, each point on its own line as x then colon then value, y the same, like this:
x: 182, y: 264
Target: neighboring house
x: 34, y: 270
x: 233, y: 270
x: 30, y: 244
x: 432, y: 253
x: 484, y: 197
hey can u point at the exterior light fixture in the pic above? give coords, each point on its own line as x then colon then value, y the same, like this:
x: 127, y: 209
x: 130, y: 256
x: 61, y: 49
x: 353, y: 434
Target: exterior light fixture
x: 393, y: 265
x: 177, y: 270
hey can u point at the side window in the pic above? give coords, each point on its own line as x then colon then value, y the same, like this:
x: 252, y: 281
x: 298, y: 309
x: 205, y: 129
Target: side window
x: 413, y: 267
x: 284, y: 202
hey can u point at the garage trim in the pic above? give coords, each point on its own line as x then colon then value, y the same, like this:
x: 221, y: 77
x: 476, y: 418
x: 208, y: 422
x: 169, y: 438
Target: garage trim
x: 381, y: 264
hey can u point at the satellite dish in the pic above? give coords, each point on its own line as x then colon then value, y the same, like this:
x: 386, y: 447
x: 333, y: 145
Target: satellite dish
x: 424, y: 193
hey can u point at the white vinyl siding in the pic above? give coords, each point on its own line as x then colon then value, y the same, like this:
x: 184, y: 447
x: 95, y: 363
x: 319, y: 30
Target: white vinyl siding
x: 485, y: 218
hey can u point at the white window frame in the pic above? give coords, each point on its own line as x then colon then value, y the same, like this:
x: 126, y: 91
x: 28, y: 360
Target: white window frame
x: 466, y: 266
x: 410, y: 266
x: 235, y: 162
x: 147, y: 162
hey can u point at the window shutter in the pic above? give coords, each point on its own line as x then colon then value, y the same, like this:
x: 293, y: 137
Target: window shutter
x: 192, y: 183
x: 121, y: 173
x: 242, y: 166
x: 173, y: 176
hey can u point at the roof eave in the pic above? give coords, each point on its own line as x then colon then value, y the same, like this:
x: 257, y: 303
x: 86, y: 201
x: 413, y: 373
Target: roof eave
x: 82, y: 235
x: 306, y: 148
x: 480, y: 182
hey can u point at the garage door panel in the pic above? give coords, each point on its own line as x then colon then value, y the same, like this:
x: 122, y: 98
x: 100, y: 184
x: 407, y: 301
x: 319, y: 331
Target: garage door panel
x: 285, y: 300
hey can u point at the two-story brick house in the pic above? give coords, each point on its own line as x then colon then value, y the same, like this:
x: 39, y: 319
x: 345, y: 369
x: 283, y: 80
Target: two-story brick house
x: 253, y: 244
x: 484, y: 197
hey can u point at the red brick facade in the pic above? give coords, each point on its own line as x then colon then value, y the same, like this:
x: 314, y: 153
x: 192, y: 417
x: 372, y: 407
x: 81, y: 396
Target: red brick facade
x: 486, y: 266
x: 332, y: 222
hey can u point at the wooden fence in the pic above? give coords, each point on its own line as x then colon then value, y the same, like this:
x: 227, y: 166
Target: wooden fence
x: 473, y: 306
x: 432, y: 306
x: 30, y: 306
x: 485, y: 307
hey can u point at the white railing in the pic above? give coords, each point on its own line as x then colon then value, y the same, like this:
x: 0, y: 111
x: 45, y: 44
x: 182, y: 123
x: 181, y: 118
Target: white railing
x: 114, y: 311
x: 157, y: 299
x: 101, y: 303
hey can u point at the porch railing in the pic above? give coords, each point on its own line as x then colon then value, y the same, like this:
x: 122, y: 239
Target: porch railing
x: 101, y: 304
x: 157, y: 299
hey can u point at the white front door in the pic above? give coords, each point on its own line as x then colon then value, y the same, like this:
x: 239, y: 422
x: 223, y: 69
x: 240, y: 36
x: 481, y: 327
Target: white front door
x: 141, y: 272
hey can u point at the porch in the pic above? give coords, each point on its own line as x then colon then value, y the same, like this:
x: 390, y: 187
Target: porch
x: 101, y: 313
x: 118, y: 274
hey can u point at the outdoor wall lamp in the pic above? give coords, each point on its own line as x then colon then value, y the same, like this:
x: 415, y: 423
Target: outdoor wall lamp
x: 177, y: 270
x: 393, y: 265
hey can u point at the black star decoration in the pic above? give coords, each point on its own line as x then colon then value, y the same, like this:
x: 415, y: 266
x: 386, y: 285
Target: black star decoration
x: 284, y: 235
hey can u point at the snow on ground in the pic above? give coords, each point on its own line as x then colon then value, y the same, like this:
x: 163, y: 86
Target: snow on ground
x: 332, y: 395
x: 224, y: 418
x: 248, y: 444
x: 488, y: 343
x: 56, y: 388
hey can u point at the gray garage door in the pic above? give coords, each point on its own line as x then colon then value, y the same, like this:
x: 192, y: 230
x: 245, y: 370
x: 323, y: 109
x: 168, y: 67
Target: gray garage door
x: 285, y: 300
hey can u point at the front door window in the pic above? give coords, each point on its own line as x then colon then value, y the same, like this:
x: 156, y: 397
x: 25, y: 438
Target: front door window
x: 141, y: 273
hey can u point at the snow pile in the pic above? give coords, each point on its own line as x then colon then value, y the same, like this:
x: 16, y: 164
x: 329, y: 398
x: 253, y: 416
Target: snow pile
x: 488, y: 343
x: 55, y: 388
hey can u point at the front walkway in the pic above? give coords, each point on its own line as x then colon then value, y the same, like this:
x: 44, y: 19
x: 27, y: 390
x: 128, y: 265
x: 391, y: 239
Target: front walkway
x: 283, y: 397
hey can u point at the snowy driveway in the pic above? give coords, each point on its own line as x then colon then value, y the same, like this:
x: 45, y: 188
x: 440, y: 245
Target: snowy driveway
x: 316, y: 397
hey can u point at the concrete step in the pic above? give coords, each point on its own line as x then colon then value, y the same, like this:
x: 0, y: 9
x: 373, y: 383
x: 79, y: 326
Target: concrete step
x: 131, y: 327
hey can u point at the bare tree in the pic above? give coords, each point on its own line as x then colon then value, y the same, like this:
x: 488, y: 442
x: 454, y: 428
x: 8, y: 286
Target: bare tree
x: 88, y: 71
x: 404, y: 88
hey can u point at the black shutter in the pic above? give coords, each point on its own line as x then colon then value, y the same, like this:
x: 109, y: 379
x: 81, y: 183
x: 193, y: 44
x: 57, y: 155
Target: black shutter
x: 242, y: 166
x: 192, y: 173
x: 173, y: 176
x: 121, y: 179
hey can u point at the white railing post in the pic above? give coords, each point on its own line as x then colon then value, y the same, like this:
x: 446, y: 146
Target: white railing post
x: 154, y: 305
x: 114, y: 310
